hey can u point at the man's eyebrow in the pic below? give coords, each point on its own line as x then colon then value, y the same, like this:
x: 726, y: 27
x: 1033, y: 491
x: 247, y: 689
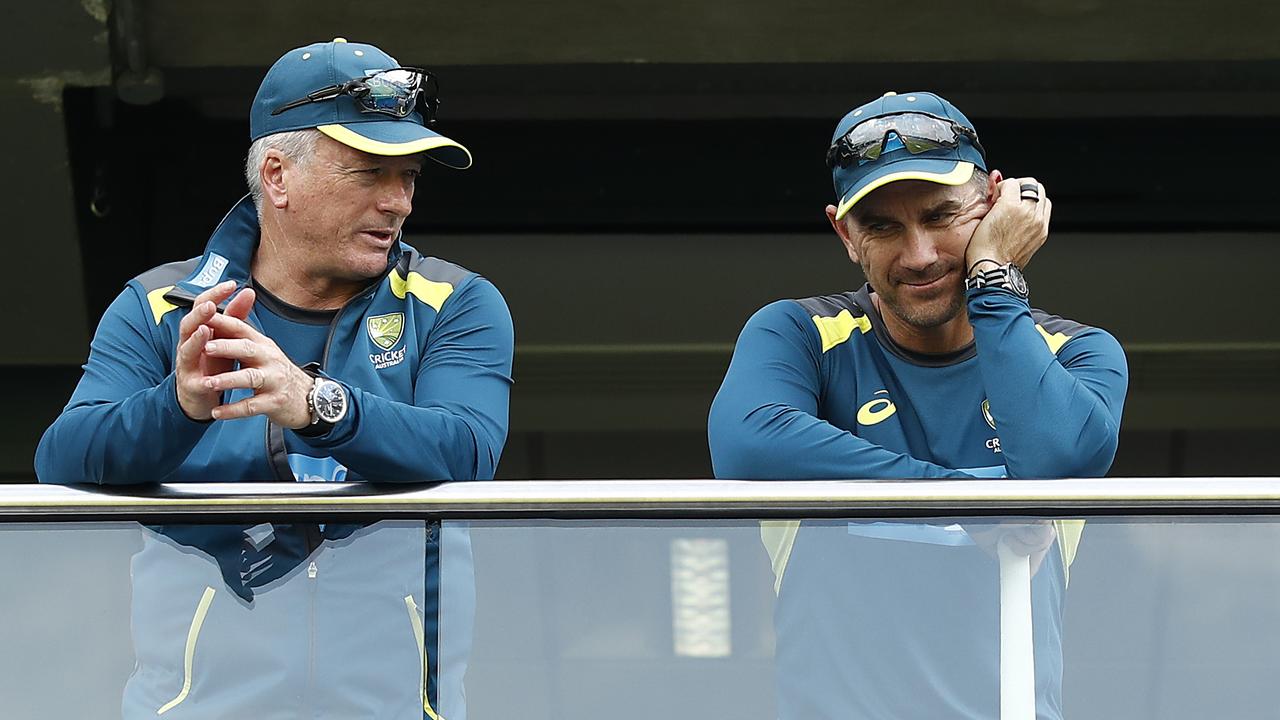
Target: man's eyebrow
x: 354, y: 167
x: 946, y: 206
x: 869, y: 218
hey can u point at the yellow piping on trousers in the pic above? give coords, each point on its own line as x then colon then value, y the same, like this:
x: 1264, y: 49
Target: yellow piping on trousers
x: 188, y: 658
x: 421, y: 637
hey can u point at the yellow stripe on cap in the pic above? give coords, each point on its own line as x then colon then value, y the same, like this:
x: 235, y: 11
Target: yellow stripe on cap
x: 350, y: 138
x: 428, y: 291
x: 959, y: 175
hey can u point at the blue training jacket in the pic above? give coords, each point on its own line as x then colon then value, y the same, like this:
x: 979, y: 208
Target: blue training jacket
x: 425, y: 353
x: 901, y: 619
x: 431, y: 407
x: 804, y: 370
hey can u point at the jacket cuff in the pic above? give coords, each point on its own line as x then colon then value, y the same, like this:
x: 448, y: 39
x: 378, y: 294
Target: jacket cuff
x: 169, y: 391
x: 344, y: 429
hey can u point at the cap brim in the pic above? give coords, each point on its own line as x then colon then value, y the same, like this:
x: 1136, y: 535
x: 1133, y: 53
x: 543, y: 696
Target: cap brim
x: 399, y: 137
x: 943, y: 172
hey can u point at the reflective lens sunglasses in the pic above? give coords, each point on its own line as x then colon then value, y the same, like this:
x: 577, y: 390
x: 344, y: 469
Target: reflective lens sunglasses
x: 395, y: 92
x: 919, y: 132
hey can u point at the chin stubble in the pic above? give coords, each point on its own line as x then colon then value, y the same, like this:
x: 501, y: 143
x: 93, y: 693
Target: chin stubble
x: 923, y: 316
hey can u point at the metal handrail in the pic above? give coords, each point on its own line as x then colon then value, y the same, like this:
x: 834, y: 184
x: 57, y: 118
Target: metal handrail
x: 641, y: 499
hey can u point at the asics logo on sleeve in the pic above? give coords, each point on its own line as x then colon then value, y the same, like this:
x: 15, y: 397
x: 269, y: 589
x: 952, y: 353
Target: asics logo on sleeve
x: 877, y: 410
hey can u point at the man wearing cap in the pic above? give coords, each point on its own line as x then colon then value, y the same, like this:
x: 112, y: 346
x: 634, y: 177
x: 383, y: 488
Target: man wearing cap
x: 307, y: 343
x: 937, y: 368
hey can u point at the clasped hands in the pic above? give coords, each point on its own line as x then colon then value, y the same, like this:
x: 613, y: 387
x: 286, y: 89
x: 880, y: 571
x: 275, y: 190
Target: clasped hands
x: 209, y: 346
x: 1012, y: 227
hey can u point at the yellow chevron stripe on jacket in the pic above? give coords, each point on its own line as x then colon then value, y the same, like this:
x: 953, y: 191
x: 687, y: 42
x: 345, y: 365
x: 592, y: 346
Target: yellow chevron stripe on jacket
x: 1054, y: 341
x: 428, y: 291
x: 160, y: 306
x: 838, y: 329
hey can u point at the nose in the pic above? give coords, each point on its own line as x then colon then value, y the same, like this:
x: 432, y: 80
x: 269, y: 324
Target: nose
x: 919, y: 250
x: 396, y: 197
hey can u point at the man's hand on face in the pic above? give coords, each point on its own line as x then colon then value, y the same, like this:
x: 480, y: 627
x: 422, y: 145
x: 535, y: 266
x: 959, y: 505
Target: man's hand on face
x: 191, y: 364
x: 1014, y: 228
x: 1032, y: 539
x: 279, y: 387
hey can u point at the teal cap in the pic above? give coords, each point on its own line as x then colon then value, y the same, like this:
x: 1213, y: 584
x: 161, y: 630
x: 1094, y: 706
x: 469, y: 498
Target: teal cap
x: 306, y: 69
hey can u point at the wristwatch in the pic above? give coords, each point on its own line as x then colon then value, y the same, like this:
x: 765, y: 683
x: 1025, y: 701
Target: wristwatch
x: 327, y: 402
x: 1007, y: 277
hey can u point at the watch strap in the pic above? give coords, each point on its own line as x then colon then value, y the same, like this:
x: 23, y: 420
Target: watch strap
x: 1007, y: 277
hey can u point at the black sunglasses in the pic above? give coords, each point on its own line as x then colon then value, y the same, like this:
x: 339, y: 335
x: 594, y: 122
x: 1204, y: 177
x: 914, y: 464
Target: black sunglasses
x: 919, y: 132
x: 395, y: 92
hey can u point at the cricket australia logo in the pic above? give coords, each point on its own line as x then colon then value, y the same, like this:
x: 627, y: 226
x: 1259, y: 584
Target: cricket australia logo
x: 385, y: 331
x: 994, y: 443
x: 986, y: 414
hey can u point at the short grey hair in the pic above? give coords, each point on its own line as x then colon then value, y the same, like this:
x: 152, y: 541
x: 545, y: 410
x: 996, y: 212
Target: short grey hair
x: 297, y: 145
x: 979, y: 180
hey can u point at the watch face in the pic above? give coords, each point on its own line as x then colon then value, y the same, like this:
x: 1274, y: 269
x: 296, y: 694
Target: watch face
x: 330, y: 401
x: 1017, y: 282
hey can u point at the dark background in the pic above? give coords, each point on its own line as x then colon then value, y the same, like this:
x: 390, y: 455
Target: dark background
x: 648, y: 176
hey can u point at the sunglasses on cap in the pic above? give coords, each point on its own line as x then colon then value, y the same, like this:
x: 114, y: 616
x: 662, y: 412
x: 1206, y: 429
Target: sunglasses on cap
x: 395, y: 92
x: 918, y: 132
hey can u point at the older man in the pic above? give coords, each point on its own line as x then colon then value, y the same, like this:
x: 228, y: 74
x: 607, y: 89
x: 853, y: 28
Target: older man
x: 937, y: 368
x: 340, y: 353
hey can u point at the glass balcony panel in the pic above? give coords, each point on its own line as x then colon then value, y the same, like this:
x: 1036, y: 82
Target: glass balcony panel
x: 1131, y: 617
x: 284, y: 620
x: 1143, y: 617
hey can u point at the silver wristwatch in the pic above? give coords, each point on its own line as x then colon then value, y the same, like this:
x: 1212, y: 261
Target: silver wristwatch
x: 328, y: 403
x: 1007, y: 277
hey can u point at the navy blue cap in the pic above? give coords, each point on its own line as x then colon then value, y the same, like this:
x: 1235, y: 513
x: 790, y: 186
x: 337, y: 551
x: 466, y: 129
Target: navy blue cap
x: 307, y: 69
x: 947, y: 166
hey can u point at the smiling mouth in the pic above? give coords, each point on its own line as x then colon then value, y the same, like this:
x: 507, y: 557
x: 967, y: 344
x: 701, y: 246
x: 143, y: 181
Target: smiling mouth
x: 382, y: 236
x: 926, y: 284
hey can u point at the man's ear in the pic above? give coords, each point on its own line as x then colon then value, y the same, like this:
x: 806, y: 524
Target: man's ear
x: 842, y: 229
x: 994, y: 179
x: 272, y: 175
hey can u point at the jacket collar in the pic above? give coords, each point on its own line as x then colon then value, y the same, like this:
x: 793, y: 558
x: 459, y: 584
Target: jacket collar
x: 229, y: 253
